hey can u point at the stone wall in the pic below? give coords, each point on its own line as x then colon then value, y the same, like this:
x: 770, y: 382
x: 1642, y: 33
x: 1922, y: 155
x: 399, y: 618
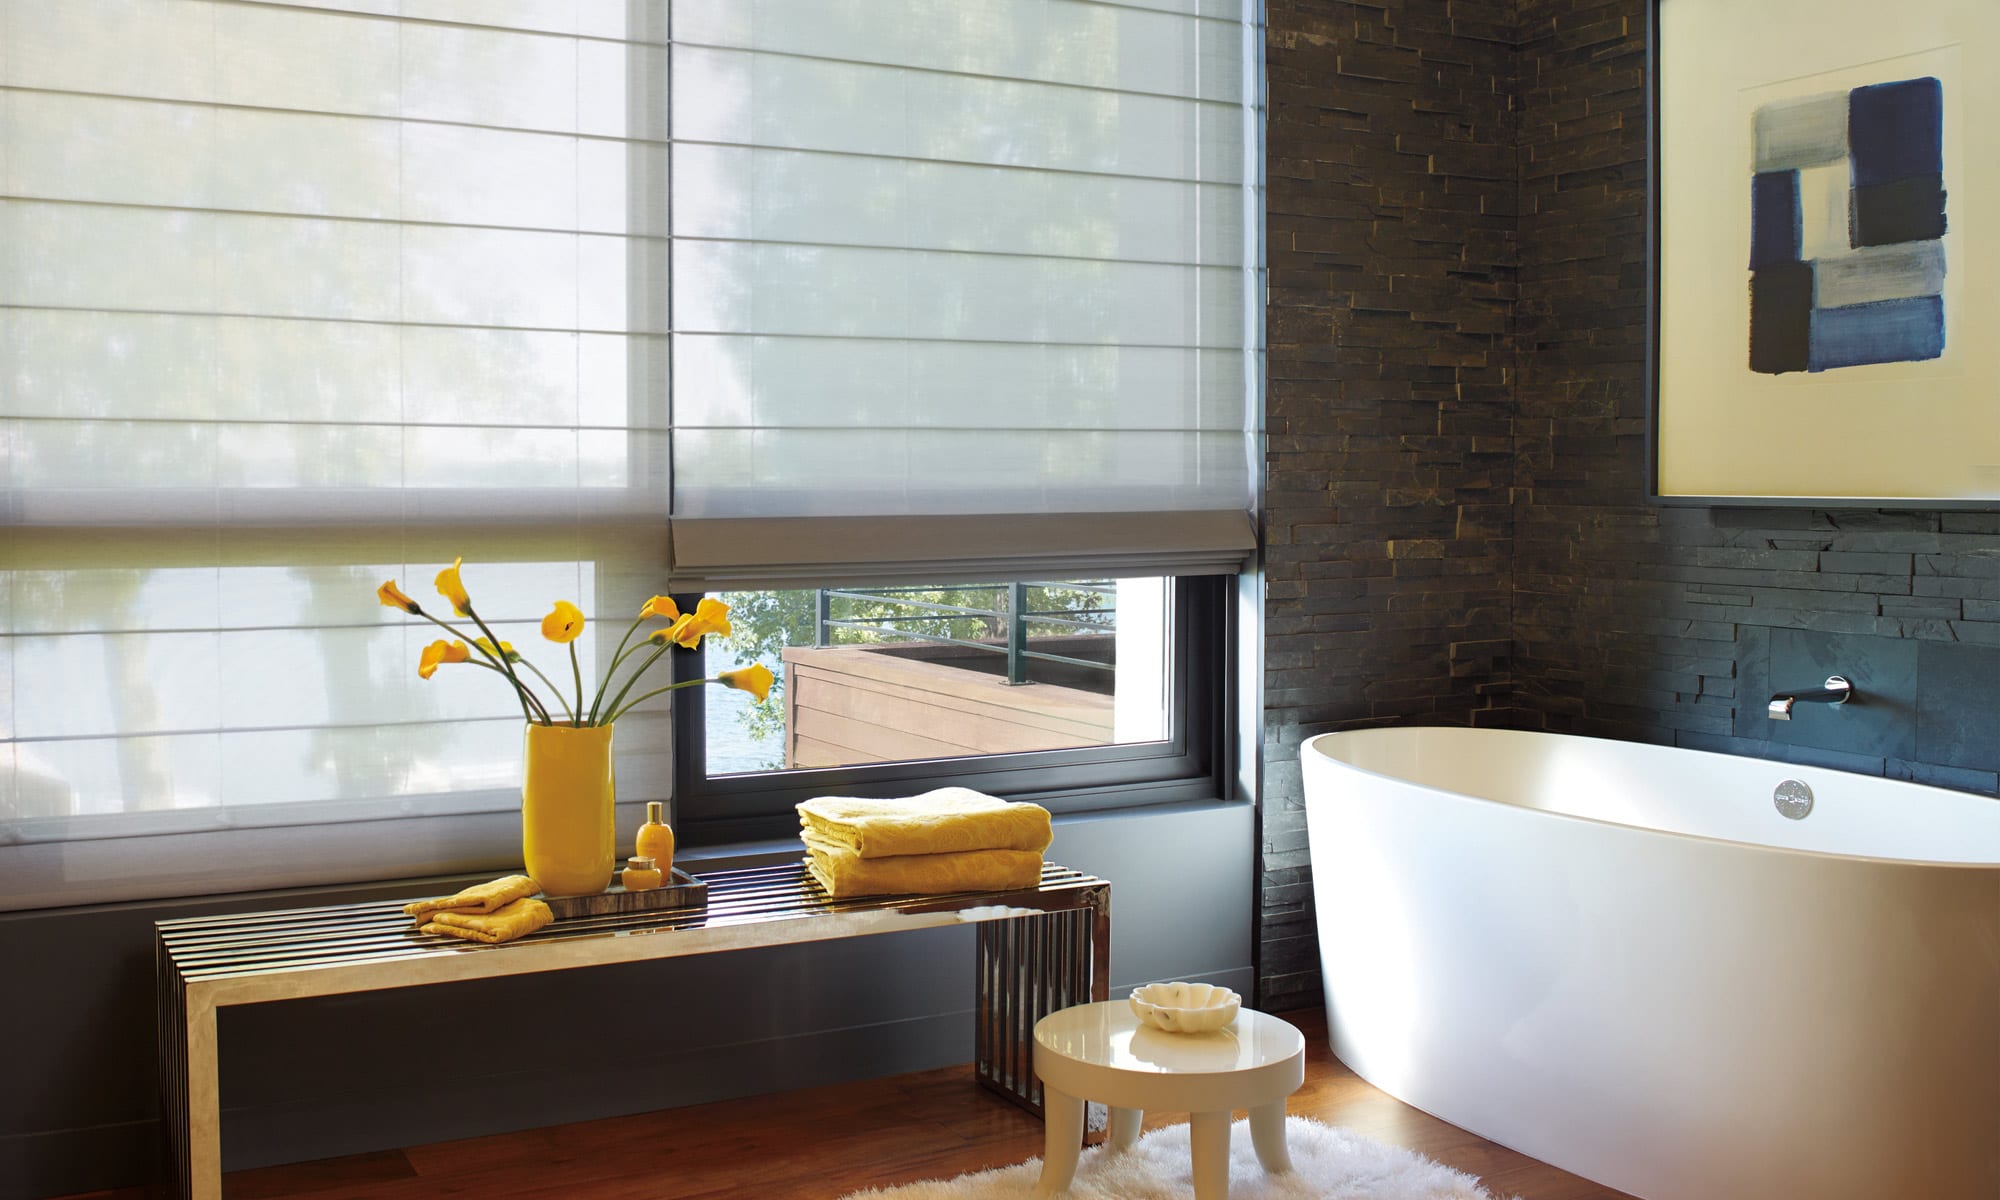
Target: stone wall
x: 1456, y: 524
x: 1391, y: 232
x: 1651, y: 623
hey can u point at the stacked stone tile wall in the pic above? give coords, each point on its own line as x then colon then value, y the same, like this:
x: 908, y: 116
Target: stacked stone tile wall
x: 1456, y: 526
x: 1391, y: 232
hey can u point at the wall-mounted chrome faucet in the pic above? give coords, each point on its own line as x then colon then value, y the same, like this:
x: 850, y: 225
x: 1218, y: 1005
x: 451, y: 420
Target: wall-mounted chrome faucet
x: 1837, y: 691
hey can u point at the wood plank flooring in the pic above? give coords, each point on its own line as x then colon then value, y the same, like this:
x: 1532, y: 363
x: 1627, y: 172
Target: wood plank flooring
x: 823, y: 1142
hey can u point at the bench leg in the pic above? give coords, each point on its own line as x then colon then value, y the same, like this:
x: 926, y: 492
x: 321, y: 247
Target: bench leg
x: 1026, y: 968
x: 204, y: 1105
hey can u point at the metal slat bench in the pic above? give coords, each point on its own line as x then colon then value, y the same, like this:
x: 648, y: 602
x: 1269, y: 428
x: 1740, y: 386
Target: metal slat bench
x: 1040, y: 949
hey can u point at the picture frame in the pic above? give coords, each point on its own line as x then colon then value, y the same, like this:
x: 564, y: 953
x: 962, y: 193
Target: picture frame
x: 1823, y: 252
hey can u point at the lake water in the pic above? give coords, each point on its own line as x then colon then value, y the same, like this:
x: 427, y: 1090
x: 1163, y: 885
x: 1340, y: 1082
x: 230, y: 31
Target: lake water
x: 730, y: 746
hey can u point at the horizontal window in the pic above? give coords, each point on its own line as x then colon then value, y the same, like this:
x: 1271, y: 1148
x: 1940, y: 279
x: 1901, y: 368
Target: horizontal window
x: 1078, y: 693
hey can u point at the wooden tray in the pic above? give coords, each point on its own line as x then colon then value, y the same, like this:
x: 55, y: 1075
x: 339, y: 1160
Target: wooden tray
x: 681, y: 890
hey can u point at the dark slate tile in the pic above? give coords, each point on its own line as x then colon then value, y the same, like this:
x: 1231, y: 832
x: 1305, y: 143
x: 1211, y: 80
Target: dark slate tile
x: 1958, y: 705
x: 1881, y: 719
x: 1778, y: 752
x: 1957, y: 778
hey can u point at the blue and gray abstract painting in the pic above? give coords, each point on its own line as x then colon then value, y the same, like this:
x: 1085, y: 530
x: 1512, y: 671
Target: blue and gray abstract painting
x: 1847, y: 219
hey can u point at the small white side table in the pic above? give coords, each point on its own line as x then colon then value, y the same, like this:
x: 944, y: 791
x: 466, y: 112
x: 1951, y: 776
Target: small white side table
x: 1103, y: 1052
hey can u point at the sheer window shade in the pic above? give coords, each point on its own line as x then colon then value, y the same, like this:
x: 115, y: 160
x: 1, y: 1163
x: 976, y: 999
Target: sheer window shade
x: 964, y: 258
x: 292, y: 300
x: 295, y: 297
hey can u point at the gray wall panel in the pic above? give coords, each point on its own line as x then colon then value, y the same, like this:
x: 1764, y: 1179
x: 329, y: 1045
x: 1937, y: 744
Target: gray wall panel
x: 311, y: 1078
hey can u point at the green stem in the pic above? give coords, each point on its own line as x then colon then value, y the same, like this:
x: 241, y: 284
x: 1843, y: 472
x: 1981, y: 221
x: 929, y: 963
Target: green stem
x: 620, y: 697
x: 553, y: 689
x: 619, y: 712
x: 521, y: 694
x: 500, y: 654
x: 473, y: 662
x: 617, y: 656
x: 575, y: 673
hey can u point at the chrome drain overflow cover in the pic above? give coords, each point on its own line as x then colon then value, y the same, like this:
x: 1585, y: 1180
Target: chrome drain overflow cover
x: 1793, y: 798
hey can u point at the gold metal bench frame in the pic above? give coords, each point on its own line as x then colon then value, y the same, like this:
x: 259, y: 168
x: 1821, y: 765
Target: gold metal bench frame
x: 1040, y: 949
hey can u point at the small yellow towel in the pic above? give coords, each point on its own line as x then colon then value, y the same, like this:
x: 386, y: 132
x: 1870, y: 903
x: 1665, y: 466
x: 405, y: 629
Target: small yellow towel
x: 845, y: 874
x: 484, y: 898
x: 504, y: 924
x: 946, y: 821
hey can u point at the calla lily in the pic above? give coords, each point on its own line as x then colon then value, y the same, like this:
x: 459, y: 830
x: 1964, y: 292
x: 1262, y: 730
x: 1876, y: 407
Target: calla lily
x: 713, y: 617
x: 755, y: 679
x: 452, y: 589
x: 506, y: 649
x: 564, y: 623
x: 441, y: 652
x: 660, y: 606
x: 392, y: 596
x: 710, y: 616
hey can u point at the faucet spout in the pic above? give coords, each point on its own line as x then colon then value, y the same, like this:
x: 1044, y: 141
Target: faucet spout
x: 1837, y: 691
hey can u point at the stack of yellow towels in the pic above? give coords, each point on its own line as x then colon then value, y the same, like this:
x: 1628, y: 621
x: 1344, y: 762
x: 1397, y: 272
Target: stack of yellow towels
x: 494, y: 912
x: 949, y: 840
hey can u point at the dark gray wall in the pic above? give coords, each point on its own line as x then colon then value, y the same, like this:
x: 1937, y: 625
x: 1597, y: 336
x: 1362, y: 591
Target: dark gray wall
x: 1457, y: 521
x: 1673, y: 625
x: 1391, y: 242
x: 311, y: 1078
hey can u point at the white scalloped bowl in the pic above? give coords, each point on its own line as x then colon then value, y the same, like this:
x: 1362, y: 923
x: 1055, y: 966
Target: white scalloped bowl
x: 1185, y: 1007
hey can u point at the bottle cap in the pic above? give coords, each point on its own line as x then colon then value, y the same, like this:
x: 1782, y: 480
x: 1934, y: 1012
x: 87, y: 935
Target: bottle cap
x: 656, y: 813
x: 641, y: 862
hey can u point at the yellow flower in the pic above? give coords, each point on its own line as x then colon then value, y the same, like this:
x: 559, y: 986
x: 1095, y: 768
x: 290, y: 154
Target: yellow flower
x: 506, y: 648
x: 755, y: 679
x: 710, y: 616
x: 450, y: 588
x: 662, y: 607
x: 563, y: 623
x: 440, y: 652
x: 392, y: 596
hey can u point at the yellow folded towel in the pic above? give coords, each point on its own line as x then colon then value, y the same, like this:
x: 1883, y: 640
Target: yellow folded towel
x: 483, y: 898
x: 845, y: 874
x: 504, y: 924
x: 948, y: 820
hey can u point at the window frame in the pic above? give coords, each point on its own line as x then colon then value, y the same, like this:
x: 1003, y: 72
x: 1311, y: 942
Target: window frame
x: 1193, y: 763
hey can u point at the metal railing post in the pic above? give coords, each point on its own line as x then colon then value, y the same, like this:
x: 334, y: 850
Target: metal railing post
x: 822, y: 613
x: 1017, y: 634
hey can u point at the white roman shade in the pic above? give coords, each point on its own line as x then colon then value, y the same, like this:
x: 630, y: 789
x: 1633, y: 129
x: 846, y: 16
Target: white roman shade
x: 948, y: 259
x: 296, y: 297
x: 806, y: 552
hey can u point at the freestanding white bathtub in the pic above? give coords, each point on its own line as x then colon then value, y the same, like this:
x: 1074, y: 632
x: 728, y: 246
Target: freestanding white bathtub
x: 1623, y: 960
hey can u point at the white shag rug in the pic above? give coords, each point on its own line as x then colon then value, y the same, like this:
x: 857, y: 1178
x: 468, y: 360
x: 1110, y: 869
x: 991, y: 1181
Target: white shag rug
x: 1328, y: 1163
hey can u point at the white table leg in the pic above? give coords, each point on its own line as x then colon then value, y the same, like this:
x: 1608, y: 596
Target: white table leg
x: 1267, y: 1134
x: 1062, y: 1140
x: 1208, y: 1133
x: 1125, y: 1128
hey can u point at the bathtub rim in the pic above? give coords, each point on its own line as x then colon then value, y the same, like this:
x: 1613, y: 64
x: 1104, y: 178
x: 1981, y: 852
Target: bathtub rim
x: 1310, y: 745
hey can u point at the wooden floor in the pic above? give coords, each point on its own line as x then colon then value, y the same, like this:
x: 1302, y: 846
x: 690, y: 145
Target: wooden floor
x: 823, y: 1142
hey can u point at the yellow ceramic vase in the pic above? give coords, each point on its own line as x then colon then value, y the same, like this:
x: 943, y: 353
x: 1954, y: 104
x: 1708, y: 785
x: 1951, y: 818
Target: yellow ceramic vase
x: 567, y: 827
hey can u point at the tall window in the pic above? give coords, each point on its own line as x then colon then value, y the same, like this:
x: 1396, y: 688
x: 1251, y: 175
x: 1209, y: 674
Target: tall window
x: 606, y: 298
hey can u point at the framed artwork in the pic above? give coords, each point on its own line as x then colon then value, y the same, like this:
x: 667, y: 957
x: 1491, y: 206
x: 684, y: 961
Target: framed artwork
x: 1824, y: 244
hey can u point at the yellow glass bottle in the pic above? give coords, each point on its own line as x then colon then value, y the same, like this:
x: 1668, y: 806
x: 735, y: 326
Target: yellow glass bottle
x: 640, y: 875
x: 656, y: 839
